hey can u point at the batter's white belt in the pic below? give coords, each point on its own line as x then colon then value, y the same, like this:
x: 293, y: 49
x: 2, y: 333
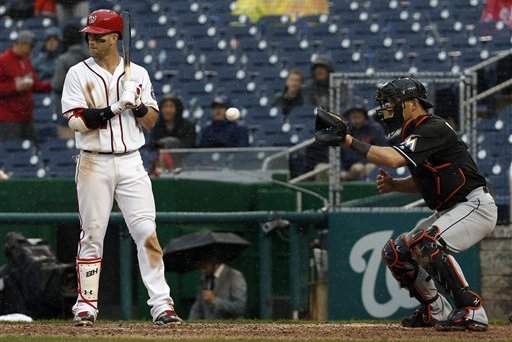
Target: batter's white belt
x: 111, y: 153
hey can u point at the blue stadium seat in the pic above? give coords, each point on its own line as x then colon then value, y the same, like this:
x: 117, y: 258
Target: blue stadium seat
x: 141, y: 8
x: 23, y: 162
x: 181, y: 16
x: 60, y: 163
x: 13, y: 146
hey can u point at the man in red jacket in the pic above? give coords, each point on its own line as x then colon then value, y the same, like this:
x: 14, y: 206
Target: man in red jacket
x: 18, y: 81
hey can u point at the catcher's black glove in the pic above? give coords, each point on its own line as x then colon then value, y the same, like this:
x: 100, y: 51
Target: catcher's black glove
x: 330, y: 128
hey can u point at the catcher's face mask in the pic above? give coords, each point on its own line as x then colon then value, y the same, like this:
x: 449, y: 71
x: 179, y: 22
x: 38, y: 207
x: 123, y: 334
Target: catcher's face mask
x: 391, y: 113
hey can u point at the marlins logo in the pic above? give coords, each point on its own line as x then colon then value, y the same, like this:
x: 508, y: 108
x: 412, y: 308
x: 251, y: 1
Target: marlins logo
x: 409, y: 143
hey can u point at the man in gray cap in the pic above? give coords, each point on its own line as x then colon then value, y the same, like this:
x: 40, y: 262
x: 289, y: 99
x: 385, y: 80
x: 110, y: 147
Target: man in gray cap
x: 317, y: 89
x: 18, y: 81
x: 316, y: 93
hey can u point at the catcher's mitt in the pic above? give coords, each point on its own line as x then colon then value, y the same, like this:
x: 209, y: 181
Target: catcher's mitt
x: 330, y: 128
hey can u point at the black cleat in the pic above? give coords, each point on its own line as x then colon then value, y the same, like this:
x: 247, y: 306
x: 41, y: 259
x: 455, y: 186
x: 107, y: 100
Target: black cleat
x: 168, y: 317
x: 420, y: 318
x: 84, y: 319
x: 458, y: 321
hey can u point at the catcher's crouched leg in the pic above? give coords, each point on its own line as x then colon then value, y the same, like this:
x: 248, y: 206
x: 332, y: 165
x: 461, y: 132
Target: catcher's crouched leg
x: 406, y: 271
x: 469, y: 313
x: 86, y: 307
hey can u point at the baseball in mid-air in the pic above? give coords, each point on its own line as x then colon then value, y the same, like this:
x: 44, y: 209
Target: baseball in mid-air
x: 232, y: 114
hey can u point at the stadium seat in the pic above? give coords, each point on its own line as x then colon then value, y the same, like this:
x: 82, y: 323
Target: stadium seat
x: 348, y: 21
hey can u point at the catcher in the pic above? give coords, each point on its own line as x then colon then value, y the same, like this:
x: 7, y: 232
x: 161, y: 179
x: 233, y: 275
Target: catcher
x: 447, y: 178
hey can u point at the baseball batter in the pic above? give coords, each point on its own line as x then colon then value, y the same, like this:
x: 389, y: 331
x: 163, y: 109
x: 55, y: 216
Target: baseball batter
x: 108, y: 114
x: 447, y: 178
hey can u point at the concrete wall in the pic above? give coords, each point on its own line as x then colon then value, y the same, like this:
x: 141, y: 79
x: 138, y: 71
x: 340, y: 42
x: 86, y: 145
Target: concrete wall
x: 496, y: 272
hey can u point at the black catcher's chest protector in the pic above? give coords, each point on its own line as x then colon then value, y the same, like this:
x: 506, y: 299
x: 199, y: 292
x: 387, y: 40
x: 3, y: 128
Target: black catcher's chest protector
x: 439, y: 162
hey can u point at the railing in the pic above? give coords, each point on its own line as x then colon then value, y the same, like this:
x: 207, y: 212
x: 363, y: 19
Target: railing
x: 234, y: 158
x: 244, y: 163
x: 267, y: 221
x: 286, y: 152
x: 510, y: 192
x: 470, y: 97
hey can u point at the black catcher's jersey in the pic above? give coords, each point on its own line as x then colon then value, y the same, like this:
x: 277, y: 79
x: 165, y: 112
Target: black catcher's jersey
x: 439, y: 162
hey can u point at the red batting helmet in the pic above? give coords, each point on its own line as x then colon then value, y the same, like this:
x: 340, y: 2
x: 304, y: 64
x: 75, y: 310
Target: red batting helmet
x: 104, y: 21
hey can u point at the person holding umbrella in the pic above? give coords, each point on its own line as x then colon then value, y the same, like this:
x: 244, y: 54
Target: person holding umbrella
x: 221, y: 294
x: 222, y: 290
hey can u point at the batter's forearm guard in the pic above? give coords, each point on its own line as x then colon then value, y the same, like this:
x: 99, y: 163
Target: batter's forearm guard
x: 95, y: 117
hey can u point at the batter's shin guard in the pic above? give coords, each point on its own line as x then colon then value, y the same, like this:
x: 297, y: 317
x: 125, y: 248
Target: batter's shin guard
x: 88, y: 272
x: 439, y: 264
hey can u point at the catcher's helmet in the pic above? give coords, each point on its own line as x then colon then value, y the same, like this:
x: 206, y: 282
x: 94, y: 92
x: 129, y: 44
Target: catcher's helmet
x: 406, y: 88
x: 104, y: 21
x: 400, y: 89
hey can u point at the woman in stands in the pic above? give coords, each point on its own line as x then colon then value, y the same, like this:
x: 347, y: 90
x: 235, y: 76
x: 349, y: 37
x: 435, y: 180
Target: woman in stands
x: 171, y: 129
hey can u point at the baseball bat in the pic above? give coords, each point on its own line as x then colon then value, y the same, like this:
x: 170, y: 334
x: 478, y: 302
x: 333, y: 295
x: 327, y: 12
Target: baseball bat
x: 126, y: 42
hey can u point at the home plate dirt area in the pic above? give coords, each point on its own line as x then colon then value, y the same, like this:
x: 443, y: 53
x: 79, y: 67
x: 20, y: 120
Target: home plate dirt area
x: 251, y: 330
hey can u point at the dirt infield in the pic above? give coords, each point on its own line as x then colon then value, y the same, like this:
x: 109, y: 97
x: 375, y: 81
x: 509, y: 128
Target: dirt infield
x: 248, y: 331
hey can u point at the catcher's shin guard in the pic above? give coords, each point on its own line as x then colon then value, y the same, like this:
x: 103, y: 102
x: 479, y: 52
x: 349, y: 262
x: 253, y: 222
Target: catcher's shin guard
x: 88, y: 271
x: 411, y: 276
x: 405, y: 269
x: 438, y: 263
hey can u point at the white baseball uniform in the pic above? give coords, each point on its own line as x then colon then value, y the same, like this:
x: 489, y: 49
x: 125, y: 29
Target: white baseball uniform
x: 110, y: 167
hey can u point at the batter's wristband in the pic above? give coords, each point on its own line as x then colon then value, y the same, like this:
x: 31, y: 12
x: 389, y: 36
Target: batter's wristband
x: 360, y: 147
x: 140, y: 111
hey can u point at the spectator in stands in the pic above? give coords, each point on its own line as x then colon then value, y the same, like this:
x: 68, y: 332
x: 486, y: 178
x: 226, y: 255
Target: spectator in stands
x: 74, y: 51
x: 45, y: 8
x: 317, y: 94
x: 171, y: 129
x: 220, y: 132
x: 293, y: 95
x: 71, y: 8
x: 44, y: 62
x: 317, y: 89
x: 364, y: 128
x: 18, y: 81
x: 221, y: 294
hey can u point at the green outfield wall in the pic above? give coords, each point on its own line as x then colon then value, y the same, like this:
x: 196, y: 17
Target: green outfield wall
x: 59, y: 195
x: 358, y: 285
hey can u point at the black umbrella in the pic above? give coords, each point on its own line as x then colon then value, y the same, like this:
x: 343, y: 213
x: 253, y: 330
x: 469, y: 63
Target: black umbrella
x: 183, y: 254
